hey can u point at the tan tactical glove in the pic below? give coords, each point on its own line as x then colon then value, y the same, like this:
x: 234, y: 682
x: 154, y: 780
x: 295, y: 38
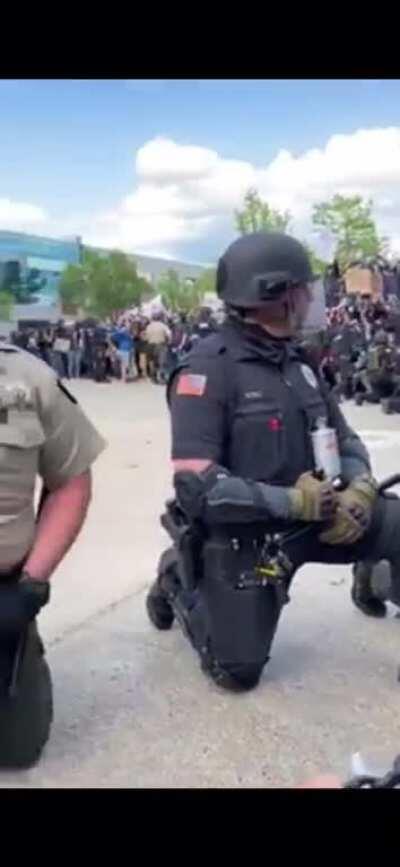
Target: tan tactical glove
x: 354, y: 512
x: 312, y: 499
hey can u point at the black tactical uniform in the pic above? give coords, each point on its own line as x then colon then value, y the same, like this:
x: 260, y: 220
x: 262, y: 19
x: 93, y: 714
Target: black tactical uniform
x: 379, y: 376
x: 247, y: 402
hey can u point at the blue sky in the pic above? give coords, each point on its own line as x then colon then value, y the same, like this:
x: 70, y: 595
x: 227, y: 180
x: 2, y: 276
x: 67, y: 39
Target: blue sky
x: 68, y: 152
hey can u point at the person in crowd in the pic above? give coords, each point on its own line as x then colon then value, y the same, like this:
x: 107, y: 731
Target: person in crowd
x: 136, y: 334
x: 157, y: 336
x: 180, y: 341
x: 124, y: 342
x: 88, y: 352
x: 61, y: 348
x: 329, y: 369
x: 204, y: 324
x: 32, y: 344
x: 100, y: 354
x: 143, y: 349
x: 45, y: 341
x: 75, y: 353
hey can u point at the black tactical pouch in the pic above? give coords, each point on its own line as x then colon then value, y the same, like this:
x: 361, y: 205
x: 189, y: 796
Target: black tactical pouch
x: 188, y: 540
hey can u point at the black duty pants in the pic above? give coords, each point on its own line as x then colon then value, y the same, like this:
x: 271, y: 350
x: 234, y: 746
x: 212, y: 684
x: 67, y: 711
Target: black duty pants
x: 237, y: 627
x: 26, y: 697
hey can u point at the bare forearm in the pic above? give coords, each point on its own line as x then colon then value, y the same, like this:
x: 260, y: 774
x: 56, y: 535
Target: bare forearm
x: 61, y: 519
x: 194, y: 465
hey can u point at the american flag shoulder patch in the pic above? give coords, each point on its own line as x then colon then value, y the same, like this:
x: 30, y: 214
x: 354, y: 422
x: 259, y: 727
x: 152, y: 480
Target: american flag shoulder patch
x: 192, y: 384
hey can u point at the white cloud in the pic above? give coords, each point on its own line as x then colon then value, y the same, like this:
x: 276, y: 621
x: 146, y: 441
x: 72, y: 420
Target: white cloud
x: 163, y: 161
x: 186, y: 193
x: 20, y: 215
x: 147, y: 230
x: 365, y: 162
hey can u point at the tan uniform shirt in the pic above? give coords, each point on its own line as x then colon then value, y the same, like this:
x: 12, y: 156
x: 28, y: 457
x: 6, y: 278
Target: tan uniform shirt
x: 42, y: 432
x: 157, y: 333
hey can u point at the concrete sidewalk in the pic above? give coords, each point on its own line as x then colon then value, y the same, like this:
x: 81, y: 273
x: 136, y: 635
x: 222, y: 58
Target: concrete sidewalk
x: 132, y: 708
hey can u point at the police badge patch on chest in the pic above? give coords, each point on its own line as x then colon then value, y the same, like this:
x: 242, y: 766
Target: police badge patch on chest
x: 15, y: 396
x: 309, y: 375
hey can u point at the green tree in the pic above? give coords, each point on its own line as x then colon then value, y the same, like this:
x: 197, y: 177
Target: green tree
x: 102, y: 285
x: 349, y: 219
x: 318, y: 265
x: 257, y: 216
x: 23, y: 285
x: 7, y: 301
x: 178, y: 295
x: 74, y: 292
x: 206, y: 282
x: 115, y: 284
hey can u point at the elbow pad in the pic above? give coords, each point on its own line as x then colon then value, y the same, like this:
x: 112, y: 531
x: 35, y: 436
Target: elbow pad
x: 236, y: 500
x: 191, y: 489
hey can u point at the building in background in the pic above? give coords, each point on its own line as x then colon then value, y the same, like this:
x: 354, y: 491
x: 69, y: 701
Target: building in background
x: 152, y: 267
x: 30, y: 268
x: 31, y: 265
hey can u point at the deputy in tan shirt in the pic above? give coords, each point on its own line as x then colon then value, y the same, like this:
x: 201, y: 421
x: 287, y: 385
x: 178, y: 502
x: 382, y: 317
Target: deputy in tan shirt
x: 43, y: 432
x: 157, y: 333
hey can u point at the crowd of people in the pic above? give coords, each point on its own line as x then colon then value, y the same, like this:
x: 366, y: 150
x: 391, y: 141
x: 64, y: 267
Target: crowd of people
x: 360, y: 353
x: 129, y: 347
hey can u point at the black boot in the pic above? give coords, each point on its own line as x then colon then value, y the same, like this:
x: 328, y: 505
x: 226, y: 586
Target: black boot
x: 163, y: 592
x: 237, y: 678
x: 362, y: 592
x: 158, y: 607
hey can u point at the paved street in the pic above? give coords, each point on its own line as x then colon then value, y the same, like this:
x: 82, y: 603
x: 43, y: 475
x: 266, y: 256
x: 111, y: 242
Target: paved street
x: 132, y: 708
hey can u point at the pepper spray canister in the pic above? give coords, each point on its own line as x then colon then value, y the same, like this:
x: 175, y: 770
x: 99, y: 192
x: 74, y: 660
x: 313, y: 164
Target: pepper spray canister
x: 326, y: 450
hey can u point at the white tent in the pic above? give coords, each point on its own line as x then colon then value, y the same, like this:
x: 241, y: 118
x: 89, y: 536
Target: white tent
x: 212, y: 301
x: 150, y: 308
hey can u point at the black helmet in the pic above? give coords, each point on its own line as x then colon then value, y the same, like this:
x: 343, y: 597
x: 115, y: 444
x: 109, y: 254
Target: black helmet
x: 260, y: 267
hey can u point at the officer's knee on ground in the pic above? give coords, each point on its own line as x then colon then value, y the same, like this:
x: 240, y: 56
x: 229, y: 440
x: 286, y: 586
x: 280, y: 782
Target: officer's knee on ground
x: 241, y: 622
x: 232, y: 629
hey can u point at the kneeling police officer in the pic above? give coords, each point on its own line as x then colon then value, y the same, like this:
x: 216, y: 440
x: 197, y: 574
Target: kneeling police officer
x: 245, y: 405
x: 43, y: 433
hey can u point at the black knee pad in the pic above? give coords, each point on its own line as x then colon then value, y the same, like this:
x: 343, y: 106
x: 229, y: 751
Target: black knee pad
x: 241, y: 623
x: 246, y: 676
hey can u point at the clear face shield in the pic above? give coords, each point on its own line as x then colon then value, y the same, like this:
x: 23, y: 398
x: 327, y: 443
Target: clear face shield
x: 300, y: 309
x: 310, y: 307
